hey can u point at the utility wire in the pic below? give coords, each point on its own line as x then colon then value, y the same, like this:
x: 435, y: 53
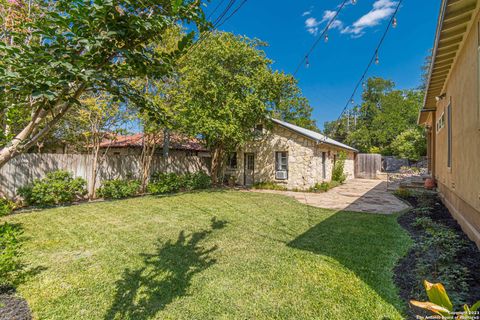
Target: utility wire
x: 215, y: 9
x: 217, y: 24
x: 314, y: 45
x: 374, y: 58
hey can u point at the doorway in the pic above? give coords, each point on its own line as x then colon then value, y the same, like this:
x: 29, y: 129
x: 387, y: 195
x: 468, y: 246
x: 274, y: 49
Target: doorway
x: 249, y: 169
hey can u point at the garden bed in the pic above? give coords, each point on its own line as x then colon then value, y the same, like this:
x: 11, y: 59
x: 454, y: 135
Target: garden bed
x: 12, y: 306
x: 441, y: 253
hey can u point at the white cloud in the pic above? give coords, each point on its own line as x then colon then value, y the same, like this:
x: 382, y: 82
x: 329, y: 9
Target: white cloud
x: 306, y: 13
x: 312, y: 25
x: 382, y: 9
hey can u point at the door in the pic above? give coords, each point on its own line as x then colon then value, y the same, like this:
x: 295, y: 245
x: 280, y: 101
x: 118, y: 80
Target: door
x: 249, y: 169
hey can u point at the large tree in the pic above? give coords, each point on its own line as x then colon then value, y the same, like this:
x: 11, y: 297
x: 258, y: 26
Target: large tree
x: 72, y: 47
x: 226, y: 86
x: 383, y: 114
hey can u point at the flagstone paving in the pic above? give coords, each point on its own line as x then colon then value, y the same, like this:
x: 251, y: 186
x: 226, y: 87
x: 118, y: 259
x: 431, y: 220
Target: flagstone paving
x: 360, y: 195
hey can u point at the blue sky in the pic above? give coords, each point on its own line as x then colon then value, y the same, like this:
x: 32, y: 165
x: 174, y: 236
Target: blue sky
x: 289, y: 28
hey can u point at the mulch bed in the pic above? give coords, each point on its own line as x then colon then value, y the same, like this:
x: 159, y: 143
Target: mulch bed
x: 469, y: 257
x: 13, y: 307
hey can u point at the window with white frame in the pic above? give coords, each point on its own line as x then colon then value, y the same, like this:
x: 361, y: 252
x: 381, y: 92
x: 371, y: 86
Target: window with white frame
x: 281, y: 165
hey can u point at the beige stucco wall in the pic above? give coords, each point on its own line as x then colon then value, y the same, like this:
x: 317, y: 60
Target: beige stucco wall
x: 460, y: 184
x: 304, y: 159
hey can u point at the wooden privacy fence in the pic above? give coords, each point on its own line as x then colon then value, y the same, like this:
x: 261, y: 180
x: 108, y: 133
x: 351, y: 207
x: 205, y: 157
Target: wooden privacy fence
x: 367, y: 165
x: 23, y: 169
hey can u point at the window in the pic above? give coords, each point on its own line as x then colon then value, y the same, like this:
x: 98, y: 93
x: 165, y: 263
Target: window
x: 441, y: 122
x: 324, y: 165
x: 232, y: 160
x: 281, y: 161
x: 281, y: 165
x: 449, y: 135
x: 258, y: 130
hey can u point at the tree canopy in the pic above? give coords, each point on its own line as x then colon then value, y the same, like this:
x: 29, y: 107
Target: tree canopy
x: 384, y: 114
x: 226, y: 86
x: 66, y: 48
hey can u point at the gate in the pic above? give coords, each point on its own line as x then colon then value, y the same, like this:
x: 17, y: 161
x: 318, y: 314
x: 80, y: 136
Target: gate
x: 367, y: 165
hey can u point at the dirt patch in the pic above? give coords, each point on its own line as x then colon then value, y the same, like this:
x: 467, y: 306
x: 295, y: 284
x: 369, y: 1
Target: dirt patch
x: 468, y: 257
x: 13, y: 307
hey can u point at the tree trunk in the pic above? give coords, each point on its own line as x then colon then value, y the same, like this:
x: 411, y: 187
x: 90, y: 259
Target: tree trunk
x: 217, y: 160
x: 149, y: 147
x: 32, y: 132
x: 94, y: 173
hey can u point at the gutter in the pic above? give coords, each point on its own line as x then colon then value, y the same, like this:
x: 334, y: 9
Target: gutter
x: 441, y: 17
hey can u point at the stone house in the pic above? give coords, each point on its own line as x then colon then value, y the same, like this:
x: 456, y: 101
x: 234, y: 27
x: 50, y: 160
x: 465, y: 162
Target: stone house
x: 288, y: 155
x: 451, y: 112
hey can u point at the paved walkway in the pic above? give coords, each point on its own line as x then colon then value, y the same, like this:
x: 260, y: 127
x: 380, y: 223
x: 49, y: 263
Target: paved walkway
x: 360, y: 195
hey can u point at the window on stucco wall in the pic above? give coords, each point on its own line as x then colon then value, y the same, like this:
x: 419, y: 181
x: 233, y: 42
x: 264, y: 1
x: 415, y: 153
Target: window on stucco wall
x: 449, y: 135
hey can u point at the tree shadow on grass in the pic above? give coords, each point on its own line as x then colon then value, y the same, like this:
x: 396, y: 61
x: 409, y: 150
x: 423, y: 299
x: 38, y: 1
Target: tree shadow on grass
x: 165, y: 275
x: 369, y: 245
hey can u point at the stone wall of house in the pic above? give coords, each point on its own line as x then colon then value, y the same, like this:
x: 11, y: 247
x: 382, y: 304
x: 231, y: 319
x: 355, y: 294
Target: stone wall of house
x: 304, y: 159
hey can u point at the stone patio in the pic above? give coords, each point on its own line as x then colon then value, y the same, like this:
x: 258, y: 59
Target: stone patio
x: 359, y: 195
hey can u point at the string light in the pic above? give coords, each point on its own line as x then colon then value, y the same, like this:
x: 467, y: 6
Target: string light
x: 307, y: 63
x: 394, y: 22
x: 352, y: 101
x: 322, y: 35
x: 375, y: 58
x: 354, y: 1
x: 326, y: 37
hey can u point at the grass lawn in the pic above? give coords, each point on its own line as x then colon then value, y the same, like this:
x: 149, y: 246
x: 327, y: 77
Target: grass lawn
x: 222, y: 254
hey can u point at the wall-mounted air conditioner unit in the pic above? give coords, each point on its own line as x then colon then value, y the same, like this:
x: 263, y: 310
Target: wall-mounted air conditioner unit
x: 281, y: 175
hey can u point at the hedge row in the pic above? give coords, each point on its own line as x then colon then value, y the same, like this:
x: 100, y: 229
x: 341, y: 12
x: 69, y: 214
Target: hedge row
x: 60, y: 187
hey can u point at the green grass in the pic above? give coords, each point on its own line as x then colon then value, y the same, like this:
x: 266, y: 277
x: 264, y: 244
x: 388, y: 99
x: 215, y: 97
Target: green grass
x: 227, y: 255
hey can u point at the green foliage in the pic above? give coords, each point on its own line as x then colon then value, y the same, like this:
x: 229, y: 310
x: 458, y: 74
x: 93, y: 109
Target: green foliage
x: 118, y: 189
x: 437, y: 251
x: 6, y: 206
x: 9, y: 252
x: 324, y: 186
x: 338, y: 173
x: 226, y: 87
x: 162, y: 183
x: 439, y: 303
x: 197, y: 181
x: 58, y: 187
x: 403, y: 193
x: 66, y: 48
x: 269, y: 185
x: 383, y: 114
x: 410, y: 144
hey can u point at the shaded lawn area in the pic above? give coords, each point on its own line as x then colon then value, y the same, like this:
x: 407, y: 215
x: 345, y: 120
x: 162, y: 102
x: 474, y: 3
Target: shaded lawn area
x: 221, y: 254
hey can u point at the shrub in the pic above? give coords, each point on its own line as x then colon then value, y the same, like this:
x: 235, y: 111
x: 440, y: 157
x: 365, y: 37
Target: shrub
x: 403, y: 193
x: 338, y: 174
x: 324, y: 186
x: 6, y: 206
x: 118, y: 189
x: 58, y: 187
x: 161, y: 182
x: 197, y: 181
x: 269, y: 185
x: 10, y: 247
